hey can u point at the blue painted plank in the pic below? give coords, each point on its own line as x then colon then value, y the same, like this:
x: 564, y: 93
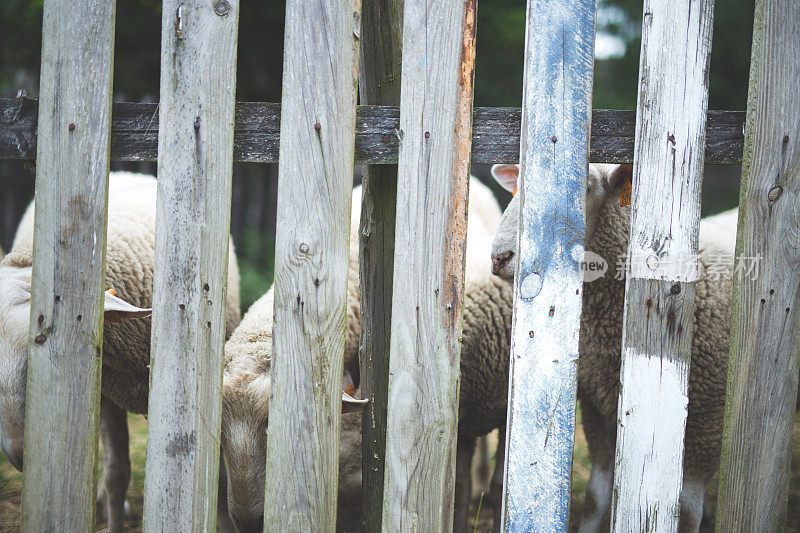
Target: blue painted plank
x: 559, y: 50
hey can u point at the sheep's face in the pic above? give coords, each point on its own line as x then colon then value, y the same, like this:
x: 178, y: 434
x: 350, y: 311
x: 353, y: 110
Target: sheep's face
x: 603, y: 183
x: 245, y: 408
x: 15, y: 312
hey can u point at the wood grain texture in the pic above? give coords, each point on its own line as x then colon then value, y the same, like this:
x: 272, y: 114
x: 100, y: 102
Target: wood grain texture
x: 430, y: 234
x: 659, y: 299
x: 495, y: 133
x: 556, y: 103
x: 195, y: 165
x: 66, y: 329
x: 320, y: 78
x: 763, y: 367
x: 379, y: 83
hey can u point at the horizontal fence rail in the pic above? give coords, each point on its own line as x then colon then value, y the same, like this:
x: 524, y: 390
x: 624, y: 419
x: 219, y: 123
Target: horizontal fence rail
x: 495, y: 133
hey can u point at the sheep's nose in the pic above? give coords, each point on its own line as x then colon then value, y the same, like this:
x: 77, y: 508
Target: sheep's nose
x: 500, y: 264
x: 13, y: 452
x: 249, y: 524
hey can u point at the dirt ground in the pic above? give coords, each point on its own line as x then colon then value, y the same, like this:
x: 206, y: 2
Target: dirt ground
x: 480, y: 521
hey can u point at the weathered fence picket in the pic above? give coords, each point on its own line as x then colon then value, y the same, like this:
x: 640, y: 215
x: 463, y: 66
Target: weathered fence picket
x: 763, y: 367
x: 554, y: 148
x: 660, y: 286
x: 379, y: 83
x: 430, y: 232
x: 68, y: 278
x: 311, y: 260
x: 195, y: 165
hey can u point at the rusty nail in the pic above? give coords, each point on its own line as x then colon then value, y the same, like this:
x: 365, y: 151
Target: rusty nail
x: 71, y: 126
x: 530, y: 334
x: 775, y: 193
x: 554, y: 138
x: 317, y: 126
x: 671, y: 138
x: 221, y: 8
x: 785, y: 139
x: 197, y: 123
x: 205, y: 287
x: 427, y: 135
x: 79, y: 317
x: 182, y: 306
x: 303, y: 248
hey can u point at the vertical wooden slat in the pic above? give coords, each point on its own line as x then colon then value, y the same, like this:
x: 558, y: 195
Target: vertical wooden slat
x: 195, y: 163
x: 379, y: 84
x: 433, y: 172
x: 660, y: 286
x: 762, y: 373
x: 66, y: 331
x: 317, y: 145
x: 554, y: 148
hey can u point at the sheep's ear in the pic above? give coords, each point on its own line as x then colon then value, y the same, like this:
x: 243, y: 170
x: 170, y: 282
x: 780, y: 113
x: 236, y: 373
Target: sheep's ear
x: 348, y: 402
x: 619, y: 176
x: 116, y: 309
x: 506, y: 176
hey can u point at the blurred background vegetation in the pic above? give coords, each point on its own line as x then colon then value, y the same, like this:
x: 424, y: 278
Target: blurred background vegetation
x: 498, y: 83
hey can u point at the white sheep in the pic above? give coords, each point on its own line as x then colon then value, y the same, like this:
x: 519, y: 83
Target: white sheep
x: 607, y: 234
x: 126, y: 344
x: 484, y: 377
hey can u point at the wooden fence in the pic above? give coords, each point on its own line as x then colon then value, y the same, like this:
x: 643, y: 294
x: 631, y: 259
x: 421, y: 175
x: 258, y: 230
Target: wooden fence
x: 420, y: 56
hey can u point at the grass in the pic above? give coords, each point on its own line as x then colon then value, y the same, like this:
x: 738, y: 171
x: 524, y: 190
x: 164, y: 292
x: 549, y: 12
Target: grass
x: 11, y: 485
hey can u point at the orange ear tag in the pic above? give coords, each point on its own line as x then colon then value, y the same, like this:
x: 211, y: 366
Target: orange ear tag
x: 516, y: 188
x: 625, y: 192
x: 112, y: 292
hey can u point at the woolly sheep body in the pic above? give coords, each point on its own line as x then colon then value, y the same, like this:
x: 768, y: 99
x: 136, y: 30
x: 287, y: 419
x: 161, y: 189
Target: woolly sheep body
x: 607, y: 234
x: 484, y: 369
x: 126, y: 345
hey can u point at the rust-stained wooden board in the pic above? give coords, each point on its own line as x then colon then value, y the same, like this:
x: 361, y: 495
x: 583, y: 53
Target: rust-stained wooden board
x: 315, y: 180
x: 195, y: 165
x: 495, y: 133
x: 660, y: 289
x: 66, y: 329
x: 428, y: 285
x: 762, y: 373
x: 554, y: 145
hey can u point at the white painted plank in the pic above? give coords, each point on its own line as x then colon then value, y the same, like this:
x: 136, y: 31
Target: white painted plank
x: 317, y: 147
x: 66, y: 332
x: 660, y: 289
x: 762, y: 376
x: 554, y: 148
x: 430, y: 231
x: 195, y: 163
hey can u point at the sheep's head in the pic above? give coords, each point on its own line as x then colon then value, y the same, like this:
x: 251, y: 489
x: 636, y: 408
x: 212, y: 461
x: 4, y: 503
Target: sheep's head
x: 15, y: 313
x: 245, y: 415
x: 603, y: 184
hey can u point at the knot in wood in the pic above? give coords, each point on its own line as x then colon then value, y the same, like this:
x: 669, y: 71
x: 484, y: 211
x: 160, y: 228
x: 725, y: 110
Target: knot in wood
x: 303, y: 248
x: 71, y: 126
x: 675, y: 289
x: 221, y: 8
x: 652, y: 262
x: 775, y: 193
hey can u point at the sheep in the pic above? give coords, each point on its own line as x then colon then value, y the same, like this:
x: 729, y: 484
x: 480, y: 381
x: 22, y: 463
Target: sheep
x: 484, y: 378
x: 126, y: 344
x: 607, y: 234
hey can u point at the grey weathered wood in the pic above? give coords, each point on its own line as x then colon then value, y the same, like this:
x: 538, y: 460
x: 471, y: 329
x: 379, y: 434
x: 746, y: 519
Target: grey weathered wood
x: 495, y: 134
x: 66, y: 329
x: 379, y: 83
x: 320, y: 77
x: 195, y: 163
x: 430, y: 233
x: 556, y: 103
x: 763, y: 368
x: 659, y: 300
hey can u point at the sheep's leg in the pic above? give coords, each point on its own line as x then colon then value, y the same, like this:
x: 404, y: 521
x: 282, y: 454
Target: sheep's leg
x: 224, y: 523
x: 692, y: 496
x: 496, y: 484
x: 116, y: 463
x: 481, y: 473
x: 601, y: 438
x: 465, y: 449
